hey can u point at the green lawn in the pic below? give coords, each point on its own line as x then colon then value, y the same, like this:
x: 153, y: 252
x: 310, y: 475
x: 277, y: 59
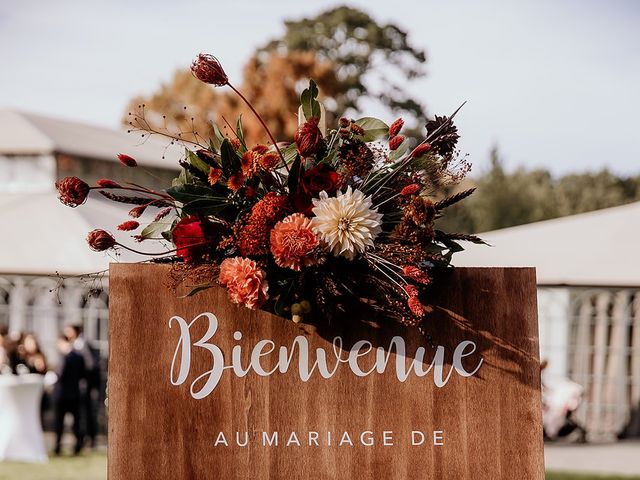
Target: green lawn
x: 576, y: 476
x: 90, y: 466
x: 93, y: 466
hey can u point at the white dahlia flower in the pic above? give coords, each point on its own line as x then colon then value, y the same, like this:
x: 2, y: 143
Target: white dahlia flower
x: 346, y: 224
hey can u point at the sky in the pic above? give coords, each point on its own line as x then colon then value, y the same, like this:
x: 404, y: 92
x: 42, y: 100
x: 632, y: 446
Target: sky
x: 554, y: 84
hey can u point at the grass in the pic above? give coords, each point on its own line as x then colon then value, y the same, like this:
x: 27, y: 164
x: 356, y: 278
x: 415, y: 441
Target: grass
x: 582, y: 476
x: 89, y: 466
x: 93, y: 466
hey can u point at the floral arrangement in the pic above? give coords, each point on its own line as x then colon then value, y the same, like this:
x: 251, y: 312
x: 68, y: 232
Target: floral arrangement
x: 335, y: 220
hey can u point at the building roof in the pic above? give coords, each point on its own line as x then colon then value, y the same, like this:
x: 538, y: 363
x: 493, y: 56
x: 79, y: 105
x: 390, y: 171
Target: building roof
x: 31, y: 134
x: 42, y: 236
x: 598, y: 248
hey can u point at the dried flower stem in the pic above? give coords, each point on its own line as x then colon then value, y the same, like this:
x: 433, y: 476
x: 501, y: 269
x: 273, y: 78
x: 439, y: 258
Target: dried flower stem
x: 264, y: 125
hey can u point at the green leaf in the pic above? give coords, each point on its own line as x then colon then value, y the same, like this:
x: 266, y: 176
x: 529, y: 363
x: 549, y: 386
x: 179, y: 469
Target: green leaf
x: 374, y: 128
x: 290, y: 153
x: 155, y: 228
x: 217, y: 139
x: 183, y: 178
x: 240, y: 132
x: 196, y: 290
x: 310, y: 106
x: 188, y: 193
x: 196, y: 162
x: 229, y: 157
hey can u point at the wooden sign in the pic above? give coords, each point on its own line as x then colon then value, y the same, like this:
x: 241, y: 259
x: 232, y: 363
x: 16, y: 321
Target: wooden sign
x: 200, y: 388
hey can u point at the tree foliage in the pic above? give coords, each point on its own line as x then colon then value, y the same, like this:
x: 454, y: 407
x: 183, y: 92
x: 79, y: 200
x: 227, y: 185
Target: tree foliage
x: 344, y: 50
x: 362, y: 52
x: 505, y: 199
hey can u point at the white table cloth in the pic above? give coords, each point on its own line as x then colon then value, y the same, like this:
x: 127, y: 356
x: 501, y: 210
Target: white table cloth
x: 21, y: 437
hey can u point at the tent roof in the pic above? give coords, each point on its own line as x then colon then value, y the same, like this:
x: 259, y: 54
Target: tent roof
x: 598, y: 248
x: 31, y: 134
x: 42, y: 236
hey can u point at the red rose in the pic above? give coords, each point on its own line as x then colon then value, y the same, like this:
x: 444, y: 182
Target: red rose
x: 319, y: 178
x: 315, y: 180
x: 194, y: 238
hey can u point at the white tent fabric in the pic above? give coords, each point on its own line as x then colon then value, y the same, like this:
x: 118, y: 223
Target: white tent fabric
x: 599, y: 248
x: 42, y: 236
x: 31, y: 134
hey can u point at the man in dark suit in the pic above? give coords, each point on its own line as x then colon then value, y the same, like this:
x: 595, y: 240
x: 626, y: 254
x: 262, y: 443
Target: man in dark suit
x: 89, y: 392
x: 66, y: 393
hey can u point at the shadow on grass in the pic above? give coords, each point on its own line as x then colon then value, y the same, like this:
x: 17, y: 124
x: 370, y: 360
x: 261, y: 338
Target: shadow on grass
x: 89, y: 466
x: 583, y: 476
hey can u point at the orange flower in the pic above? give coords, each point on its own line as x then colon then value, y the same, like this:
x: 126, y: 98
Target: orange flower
x: 269, y: 161
x: 260, y: 149
x: 293, y: 242
x: 235, y: 181
x: 249, y: 163
x: 214, y: 175
x: 246, y: 283
x: 253, y: 237
x: 235, y: 143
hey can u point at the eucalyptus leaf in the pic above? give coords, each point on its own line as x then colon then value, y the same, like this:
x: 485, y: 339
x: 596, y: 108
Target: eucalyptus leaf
x: 374, y: 128
x: 197, y: 162
x: 155, y: 228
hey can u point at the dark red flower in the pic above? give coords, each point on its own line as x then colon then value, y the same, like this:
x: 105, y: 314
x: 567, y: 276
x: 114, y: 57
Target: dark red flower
x: 319, y: 178
x: 416, y: 306
x: 100, y: 240
x: 207, y: 69
x: 72, y: 191
x: 395, y: 127
x: 395, y: 142
x: 135, y: 212
x: 189, y: 238
x: 410, y: 190
x: 127, y: 161
x: 420, y: 150
x: 416, y: 274
x: 162, y: 213
x: 128, y: 226
x: 308, y: 137
x: 322, y: 177
x: 106, y: 183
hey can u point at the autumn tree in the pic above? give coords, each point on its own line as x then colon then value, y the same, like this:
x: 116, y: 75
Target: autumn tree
x: 344, y: 50
x: 364, y: 53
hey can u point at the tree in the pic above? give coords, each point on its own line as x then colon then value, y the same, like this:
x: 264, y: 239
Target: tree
x: 343, y: 47
x: 189, y: 106
x: 504, y: 199
x: 361, y: 51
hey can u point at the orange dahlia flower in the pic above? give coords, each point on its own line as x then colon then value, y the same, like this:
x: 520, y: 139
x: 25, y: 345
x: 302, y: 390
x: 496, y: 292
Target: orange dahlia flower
x: 246, y: 282
x: 293, y: 242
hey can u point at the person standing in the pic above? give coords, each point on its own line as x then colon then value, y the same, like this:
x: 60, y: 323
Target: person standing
x: 67, y: 392
x: 90, y: 386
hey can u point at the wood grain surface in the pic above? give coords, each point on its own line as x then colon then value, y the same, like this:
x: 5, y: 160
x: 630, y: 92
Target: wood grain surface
x: 490, y: 422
